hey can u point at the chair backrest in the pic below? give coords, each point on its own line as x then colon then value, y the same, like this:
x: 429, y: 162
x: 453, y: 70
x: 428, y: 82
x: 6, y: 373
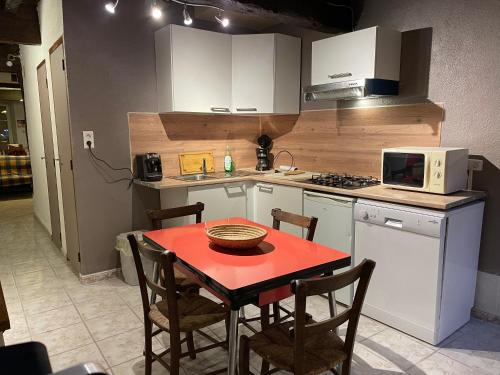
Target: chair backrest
x: 157, y: 216
x: 308, y: 223
x: 312, y: 287
x: 168, y: 292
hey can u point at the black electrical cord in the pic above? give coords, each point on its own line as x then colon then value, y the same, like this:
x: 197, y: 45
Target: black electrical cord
x: 95, y: 157
x: 275, y: 158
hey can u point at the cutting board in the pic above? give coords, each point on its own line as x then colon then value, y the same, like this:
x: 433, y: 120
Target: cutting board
x: 190, y: 162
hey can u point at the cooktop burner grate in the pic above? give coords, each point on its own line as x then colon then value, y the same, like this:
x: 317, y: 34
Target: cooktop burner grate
x: 343, y: 181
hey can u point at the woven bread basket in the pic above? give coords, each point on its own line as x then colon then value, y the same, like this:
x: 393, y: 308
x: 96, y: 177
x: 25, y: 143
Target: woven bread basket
x: 236, y: 236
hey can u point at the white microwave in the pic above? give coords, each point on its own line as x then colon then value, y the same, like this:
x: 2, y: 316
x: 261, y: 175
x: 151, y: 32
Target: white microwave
x: 439, y: 170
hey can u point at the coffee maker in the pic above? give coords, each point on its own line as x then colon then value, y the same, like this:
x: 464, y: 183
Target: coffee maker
x: 149, y: 167
x: 262, y: 152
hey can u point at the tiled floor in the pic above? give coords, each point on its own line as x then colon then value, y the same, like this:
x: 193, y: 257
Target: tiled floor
x: 102, y: 322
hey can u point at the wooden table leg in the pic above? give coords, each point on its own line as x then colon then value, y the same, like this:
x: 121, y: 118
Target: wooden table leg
x: 233, y: 341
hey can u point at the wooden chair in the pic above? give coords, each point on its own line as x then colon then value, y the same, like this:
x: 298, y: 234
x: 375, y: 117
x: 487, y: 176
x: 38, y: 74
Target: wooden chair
x: 157, y: 217
x: 279, y: 216
x: 304, y: 222
x: 306, y: 347
x: 176, y: 313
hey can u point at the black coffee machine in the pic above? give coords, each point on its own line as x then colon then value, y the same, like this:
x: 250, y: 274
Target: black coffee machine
x: 262, y: 152
x: 149, y: 167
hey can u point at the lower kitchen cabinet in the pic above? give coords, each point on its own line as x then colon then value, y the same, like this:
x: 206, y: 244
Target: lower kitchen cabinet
x: 269, y: 196
x: 221, y: 200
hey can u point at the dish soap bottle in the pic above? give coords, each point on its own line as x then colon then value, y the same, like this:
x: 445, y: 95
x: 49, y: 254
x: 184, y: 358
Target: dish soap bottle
x: 228, y: 161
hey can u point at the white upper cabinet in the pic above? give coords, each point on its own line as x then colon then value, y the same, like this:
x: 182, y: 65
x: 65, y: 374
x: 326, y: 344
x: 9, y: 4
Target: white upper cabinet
x: 208, y: 72
x: 369, y: 53
x: 193, y: 70
x: 265, y: 73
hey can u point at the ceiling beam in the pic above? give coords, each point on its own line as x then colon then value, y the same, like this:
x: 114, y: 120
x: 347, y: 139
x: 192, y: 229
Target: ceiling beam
x: 19, y: 22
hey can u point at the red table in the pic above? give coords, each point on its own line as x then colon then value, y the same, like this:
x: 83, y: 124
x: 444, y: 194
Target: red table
x: 243, y: 277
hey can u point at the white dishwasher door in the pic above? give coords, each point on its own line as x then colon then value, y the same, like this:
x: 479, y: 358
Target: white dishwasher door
x: 334, y: 229
x: 405, y: 289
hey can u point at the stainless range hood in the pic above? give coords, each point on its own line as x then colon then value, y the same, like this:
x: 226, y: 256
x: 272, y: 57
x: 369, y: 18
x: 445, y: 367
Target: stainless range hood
x: 348, y: 90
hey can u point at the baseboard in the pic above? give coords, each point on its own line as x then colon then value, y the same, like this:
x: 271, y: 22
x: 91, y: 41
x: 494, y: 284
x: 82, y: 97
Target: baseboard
x: 485, y: 316
x: 98, y: 276
x: 42, y: 224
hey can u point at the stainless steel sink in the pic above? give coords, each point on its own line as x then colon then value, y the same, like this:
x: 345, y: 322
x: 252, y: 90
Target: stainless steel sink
x: 194, y: 177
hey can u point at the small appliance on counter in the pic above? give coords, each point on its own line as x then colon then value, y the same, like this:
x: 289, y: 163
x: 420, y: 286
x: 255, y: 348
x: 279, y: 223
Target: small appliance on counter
x: 149, y: 167
x: 438, y: 170
x: 262, y: 152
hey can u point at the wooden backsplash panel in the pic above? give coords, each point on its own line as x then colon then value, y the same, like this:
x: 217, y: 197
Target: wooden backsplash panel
x: 350, y: 140
x: 171, y: 134
x: 343, y: 140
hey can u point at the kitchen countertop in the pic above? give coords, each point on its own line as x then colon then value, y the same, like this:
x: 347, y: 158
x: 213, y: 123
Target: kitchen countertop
x: 377, y: 192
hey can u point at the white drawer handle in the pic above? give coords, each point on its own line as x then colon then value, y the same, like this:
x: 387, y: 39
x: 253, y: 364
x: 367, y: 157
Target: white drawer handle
x: 219, y: 109
x: 340, y: 75
x: 246, y: 109
x: 266, y: 188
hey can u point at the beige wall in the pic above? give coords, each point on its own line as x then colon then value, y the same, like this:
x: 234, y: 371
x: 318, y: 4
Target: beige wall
x: 51, y: 26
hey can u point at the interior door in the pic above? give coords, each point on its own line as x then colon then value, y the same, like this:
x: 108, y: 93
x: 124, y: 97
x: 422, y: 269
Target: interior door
x: 48, y: 145
x: 59, y: 90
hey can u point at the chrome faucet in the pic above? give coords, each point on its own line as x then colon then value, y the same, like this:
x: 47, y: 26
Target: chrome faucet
x: 204, y: 167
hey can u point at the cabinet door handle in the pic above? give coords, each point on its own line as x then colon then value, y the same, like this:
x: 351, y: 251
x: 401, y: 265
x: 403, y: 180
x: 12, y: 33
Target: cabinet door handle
x: 219, y: 109
x: 266, y: 188
x: 329, y: 198
x: 246, y: 109
x: 42, y: 157
x: 340, y: 75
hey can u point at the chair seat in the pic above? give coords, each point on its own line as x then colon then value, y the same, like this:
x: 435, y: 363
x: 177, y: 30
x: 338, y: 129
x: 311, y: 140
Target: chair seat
x: 276, y: 345
x: 182, y: 282
x: 195, y: 312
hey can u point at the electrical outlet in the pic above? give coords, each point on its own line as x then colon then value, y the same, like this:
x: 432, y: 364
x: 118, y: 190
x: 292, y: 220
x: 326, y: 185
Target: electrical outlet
x: 88, y: 135
x: 475, y: 165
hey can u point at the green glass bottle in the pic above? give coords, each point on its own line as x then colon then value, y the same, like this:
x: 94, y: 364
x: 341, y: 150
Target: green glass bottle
x: 228, y: 161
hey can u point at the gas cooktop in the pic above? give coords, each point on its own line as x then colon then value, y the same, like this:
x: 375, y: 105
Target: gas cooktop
x: 343, y: 181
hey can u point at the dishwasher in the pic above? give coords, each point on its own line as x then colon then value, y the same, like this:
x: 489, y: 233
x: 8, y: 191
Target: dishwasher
x: 426, y: 265
x: 334, y: 228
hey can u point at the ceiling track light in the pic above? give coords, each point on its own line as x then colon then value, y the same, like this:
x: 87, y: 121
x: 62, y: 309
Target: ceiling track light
x: 110, y: 6
x: 156, y: 11
x: 223, y: 20
x: 187, y: 18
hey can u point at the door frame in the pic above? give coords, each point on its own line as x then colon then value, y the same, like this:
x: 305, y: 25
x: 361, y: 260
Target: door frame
x: 49, y: 153
x: 65, y: 161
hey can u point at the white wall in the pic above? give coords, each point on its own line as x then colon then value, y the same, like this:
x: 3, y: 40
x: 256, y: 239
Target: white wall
x: 51, y: 27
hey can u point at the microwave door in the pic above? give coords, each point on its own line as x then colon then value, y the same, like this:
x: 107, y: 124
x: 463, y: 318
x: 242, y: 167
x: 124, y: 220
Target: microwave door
x: 405, y: 169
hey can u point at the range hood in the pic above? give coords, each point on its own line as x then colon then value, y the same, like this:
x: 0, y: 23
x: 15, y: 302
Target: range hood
x: 357, y: 65
x: 348, y: 90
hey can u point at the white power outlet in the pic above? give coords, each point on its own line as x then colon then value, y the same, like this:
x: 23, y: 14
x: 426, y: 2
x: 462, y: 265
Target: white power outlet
x: 88, y: 135
x: 475, y: 165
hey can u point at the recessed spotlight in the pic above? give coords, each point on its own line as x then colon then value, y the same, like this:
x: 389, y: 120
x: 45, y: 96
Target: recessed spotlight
x: 187, y: 18
x: 224, y: 21
x: 110, y: 6
x: 156, y: 12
